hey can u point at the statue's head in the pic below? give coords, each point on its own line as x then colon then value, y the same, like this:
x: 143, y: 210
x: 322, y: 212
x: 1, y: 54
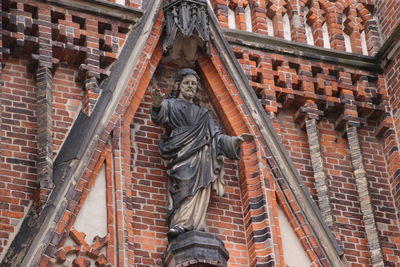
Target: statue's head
x: 186, y: 84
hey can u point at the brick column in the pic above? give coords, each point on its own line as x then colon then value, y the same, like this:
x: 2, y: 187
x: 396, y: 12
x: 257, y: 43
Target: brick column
x: 316, y: 19
x: 311, y: 117
x: 89, y: 71
x: 364, y: 195
x: 298, y: 30
x: 221, y: 12
x: 334, y: 25
x: 45, y: 126
x: 259, y: 16
x: 353, y: 28
x: 44, y: 109
x: 239, y: 14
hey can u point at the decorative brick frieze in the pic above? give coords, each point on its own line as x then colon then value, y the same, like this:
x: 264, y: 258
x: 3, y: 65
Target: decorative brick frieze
x: 64, y: 35
x: 358, y: 22
x: 371, y: 231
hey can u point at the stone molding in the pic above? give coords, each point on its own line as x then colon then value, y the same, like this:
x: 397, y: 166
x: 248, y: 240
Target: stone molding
x: 102, y: 8
x: 196, y: 247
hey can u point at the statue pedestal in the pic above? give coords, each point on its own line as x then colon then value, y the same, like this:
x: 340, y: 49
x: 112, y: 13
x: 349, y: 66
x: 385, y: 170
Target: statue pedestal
x: 192, y: 248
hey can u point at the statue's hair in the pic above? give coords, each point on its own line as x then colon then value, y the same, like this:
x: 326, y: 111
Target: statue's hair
x: 184, y: 72
x: 179, y: 77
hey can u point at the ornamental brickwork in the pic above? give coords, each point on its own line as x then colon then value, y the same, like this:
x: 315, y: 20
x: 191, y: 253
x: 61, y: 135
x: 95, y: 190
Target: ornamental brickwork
x: 316, y: 83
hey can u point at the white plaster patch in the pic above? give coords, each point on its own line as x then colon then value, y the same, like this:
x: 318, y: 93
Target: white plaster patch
x: 364, y: 43
x: 270, y: 27
x: 325, y: 35
x: 347, y: 42
x: 92, y: 218
x: 121, y: 2
x: 231, y: 19
x: 287, y: 33
x: 309, y: 34
x: 293, y: 251
x: 247, y: 16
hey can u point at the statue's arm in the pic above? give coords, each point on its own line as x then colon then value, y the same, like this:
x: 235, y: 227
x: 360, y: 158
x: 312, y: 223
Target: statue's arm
x: 229, y: 146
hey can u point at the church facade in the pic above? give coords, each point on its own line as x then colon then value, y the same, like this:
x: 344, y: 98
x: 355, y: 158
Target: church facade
x: 316, y: 83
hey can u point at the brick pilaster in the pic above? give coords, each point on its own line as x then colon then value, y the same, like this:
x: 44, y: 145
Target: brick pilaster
x: 364, y: 196
x: 307, y: 117
x: 334, y: 25
x: 315, y: 18
x: 298, y: 31
x: 353, y: 27
x: 238, y: 7
x: 90, y: 68
x: 320, y: 176
x: 44, y: 109
x: 221, y: 12
x: 259, y: 17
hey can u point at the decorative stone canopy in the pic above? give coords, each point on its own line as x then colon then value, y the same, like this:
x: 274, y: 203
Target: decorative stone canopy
x: 187, y: 29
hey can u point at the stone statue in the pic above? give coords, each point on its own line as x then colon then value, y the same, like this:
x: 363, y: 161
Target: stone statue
x: 193, y: 152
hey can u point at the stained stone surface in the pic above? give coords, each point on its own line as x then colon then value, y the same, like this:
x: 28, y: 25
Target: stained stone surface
x: 196, y: 247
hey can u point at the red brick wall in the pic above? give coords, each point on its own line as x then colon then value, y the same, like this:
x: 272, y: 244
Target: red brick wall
x: 149, y: 200
x: 275, y: 80
x: 295, y: 142
x: 387, y: 12
x: 17, y: 147
x: 392, y: 73
x: 67, y: 103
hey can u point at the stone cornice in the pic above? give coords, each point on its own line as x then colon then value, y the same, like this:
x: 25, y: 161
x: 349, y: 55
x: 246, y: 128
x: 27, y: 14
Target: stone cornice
x: 101, y: 8
x: 281, y: 46
x: 390, y: 48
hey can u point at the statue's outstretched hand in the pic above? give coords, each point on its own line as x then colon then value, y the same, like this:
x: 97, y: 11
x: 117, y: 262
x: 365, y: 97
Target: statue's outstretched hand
x: 157, y: 98
x: 246, y: 137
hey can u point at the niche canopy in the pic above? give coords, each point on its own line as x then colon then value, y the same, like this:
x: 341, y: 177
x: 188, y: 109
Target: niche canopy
x: 187, y: 29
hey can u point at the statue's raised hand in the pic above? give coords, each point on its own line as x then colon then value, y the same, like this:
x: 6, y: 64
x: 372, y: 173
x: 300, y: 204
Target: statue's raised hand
x: 157, y: 98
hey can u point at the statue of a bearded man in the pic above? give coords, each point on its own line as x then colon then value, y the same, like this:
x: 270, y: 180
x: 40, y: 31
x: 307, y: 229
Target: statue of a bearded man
x: 193, y: 152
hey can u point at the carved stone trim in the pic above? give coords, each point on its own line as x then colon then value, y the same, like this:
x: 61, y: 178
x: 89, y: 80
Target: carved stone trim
x: 102, y: 8
x: 280, y: 46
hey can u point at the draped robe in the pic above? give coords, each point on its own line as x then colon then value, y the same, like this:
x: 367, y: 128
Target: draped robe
x: 193, y: 153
